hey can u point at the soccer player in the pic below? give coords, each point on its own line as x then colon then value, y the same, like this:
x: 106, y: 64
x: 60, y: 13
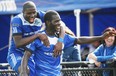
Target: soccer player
x: 45, y: 63
x: 24, y: 30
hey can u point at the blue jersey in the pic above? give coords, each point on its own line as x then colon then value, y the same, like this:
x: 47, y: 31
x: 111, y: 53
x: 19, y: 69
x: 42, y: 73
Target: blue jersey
x: 46, y: 64
x: 103, y: 54
x: 21, y: 26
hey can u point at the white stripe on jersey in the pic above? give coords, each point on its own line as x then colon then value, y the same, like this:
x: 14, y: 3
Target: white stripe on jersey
x: 13, y: 59
x: 53, y: 40
x: 14, y: 30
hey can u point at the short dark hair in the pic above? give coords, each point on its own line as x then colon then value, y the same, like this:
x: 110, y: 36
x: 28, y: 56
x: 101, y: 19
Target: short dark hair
x: 28, y: 4
x: 48, y: 15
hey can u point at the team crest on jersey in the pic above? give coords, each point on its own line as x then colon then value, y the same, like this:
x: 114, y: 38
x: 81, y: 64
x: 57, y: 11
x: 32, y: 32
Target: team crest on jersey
x: 37, y: 22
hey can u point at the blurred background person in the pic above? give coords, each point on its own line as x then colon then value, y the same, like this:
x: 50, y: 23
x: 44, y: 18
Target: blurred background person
x: 71, y: 54
x: 88, y: 49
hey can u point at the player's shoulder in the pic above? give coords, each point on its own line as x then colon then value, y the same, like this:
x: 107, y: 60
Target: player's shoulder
x: 16, y: 18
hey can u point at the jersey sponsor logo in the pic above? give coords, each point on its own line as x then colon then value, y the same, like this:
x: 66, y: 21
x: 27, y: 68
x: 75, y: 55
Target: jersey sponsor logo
x: 48, y: 53
x: 28, y: 34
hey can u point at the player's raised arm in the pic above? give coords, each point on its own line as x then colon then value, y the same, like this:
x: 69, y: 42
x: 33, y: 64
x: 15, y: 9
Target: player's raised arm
x: 90, y: 39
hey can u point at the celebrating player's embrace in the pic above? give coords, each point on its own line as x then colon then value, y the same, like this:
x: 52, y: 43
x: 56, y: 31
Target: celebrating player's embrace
x: 26, y: 27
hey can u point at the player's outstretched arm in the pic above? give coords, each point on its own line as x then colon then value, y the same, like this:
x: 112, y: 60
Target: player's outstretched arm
x: 90, y: 39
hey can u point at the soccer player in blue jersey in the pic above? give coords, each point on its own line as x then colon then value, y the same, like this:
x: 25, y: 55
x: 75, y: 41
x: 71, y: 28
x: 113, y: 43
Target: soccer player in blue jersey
x: 45, y: 63
x: 25, y: 28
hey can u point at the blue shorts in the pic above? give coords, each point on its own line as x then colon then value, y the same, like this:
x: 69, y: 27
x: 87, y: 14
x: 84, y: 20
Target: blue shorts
x: 14, y: 60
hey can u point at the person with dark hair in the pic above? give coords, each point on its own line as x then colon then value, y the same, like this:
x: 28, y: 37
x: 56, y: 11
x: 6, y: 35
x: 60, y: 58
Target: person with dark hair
x: 25, y: 27
x: 105, y: 52
x: 45, y: 63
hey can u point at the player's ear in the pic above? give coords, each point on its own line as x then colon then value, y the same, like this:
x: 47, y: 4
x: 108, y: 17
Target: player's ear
x: 48, y: 22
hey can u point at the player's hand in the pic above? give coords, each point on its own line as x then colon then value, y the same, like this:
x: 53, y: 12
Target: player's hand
x: 44, y: 38
x: 108, y: 34
x: 98, y: 64
x: 57, y: 49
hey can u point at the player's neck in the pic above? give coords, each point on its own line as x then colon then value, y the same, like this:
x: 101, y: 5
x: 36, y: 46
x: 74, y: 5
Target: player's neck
x: 50, y: 33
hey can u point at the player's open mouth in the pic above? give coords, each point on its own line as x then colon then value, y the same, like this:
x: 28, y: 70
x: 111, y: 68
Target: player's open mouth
x: 31, y: 20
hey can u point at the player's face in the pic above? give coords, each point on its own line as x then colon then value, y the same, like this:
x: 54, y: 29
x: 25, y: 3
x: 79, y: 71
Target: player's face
x: 30, y: 14
x: 56, y: 23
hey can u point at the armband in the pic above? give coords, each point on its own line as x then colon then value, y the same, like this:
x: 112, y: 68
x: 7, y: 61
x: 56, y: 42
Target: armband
x: 60, y: 40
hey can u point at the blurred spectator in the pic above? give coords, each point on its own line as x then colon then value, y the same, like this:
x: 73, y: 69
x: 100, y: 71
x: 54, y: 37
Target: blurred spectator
x: 71, y: 54
x: 90, y: 48
x: 84, y: 53
x: 93, y: 46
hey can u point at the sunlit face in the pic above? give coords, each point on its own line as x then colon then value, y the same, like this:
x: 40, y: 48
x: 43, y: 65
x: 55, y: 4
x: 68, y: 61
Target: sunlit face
x: 56, y: 23
x: 109, y: 41
x: 30, y: 14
